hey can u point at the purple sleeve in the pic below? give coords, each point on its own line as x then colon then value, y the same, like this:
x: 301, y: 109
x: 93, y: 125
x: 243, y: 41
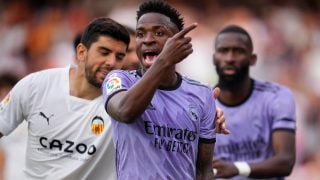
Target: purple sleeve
x: 207, y: 123
x: 116, y: 81
x: 283, y: 110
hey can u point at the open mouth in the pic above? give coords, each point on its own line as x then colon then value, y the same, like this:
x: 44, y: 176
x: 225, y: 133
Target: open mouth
x: 150, y: 57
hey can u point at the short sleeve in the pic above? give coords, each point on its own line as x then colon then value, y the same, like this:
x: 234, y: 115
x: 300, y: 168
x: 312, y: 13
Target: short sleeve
x: 283, y: 110
x: 116, y: 81
x: 207, y: 124
x: 15, y: 107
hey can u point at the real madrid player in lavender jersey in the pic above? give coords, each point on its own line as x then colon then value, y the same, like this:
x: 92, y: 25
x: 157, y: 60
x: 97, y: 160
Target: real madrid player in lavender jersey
x: 163, y: 123
x: 69, y: 133
x: 261, y: 115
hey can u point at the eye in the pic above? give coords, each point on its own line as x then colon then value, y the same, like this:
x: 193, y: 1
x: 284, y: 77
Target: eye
x: 223, y: 50
x: 120, y: 57
x: 239, y: 51
x: 104, y: 52
x: 159, y: 33
x: 139, y: 34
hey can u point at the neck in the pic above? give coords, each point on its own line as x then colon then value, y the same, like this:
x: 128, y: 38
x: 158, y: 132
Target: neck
x: 170, y: 79
x: 237, y: 93
x: 80, y: 87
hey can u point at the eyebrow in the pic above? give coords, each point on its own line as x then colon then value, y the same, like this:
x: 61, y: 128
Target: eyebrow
x: 103, y: 48
x: 155, y: 27
x: 107, y: 49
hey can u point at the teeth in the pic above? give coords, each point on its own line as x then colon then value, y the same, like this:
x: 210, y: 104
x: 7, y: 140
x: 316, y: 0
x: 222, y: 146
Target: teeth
x: 150, y: 58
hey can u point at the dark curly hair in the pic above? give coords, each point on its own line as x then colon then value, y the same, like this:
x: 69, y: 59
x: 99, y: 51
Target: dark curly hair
x: 161, y: 7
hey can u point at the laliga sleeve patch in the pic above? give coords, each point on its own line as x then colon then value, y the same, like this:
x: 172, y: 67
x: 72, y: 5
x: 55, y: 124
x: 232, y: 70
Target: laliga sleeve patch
x: 113, y: 84
x: 5, y: 102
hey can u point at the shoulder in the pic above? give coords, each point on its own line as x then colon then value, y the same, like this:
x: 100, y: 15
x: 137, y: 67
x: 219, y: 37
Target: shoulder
x: 47, y: 73
x: 43, y: 76
x: 272, y: 88
x: 132, y: 73
x: 195, y: 83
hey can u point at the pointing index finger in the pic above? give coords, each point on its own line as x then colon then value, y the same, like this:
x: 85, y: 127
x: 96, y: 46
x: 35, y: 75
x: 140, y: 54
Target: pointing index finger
x: 186, y: 30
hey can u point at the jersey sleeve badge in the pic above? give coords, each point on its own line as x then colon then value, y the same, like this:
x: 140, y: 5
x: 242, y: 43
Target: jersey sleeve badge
x: 5, y: 102
x: 113, y: 83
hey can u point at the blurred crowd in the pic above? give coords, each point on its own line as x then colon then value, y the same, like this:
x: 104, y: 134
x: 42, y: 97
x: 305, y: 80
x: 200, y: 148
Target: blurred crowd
x: 38, y: 34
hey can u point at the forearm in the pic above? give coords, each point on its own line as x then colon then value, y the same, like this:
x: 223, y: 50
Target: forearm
x: 273, y: 167
x: 205, y: 174
x: 282, y: 162
x: 127, y: 106
x: 204, y: 165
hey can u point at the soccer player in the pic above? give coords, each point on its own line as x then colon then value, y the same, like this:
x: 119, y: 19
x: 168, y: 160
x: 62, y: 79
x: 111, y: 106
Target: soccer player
x: 131, y: 62
x: 163, y: 122
x: 261, y: 115
x: 69, y: 132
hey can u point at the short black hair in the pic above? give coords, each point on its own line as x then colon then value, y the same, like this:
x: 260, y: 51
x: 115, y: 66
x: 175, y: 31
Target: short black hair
x: 76, y: 40
x: 161, y: 7
x: 237, y: 29
x: 104, y: 27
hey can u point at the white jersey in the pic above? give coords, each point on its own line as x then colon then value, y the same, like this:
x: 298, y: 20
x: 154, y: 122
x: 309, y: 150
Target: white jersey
x: 68, y: 137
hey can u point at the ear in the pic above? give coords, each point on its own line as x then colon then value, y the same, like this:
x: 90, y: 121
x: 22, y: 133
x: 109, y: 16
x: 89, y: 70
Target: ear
x: 81, y: 52
x: 253, y: 59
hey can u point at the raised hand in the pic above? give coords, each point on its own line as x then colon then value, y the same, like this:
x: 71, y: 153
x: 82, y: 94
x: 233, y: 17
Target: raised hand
x: 220, y: 119
x: 178, y: 47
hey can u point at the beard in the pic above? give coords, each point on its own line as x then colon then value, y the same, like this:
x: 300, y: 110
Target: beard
x: 232, y: 82
x: 90, y: 76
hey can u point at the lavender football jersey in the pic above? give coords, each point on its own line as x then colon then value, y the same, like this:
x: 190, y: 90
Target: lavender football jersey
x: 163, y: 142
x: 269, y: 107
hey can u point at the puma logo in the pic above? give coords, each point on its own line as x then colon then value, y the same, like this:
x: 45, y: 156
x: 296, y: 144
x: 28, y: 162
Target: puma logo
x: 44, y: 116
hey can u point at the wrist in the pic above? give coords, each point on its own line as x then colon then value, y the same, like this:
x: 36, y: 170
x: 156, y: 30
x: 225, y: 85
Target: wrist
x: 243, y: 168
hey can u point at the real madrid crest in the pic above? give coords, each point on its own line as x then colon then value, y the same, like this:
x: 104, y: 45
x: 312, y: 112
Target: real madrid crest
x: 193, y: 113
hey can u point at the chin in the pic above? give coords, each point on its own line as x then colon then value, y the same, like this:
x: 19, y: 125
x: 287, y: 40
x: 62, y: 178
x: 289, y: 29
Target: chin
x: 147, y: 66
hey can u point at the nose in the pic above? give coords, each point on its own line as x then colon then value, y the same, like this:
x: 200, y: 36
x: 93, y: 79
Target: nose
x: 149, y: 38
x: 229, y: 58
x: 111, y: 61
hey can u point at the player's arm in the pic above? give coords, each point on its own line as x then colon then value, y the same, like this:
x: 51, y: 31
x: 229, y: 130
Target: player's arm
x: 204, y: 167
x: 126, y: 106
x: 15, y: 107
x: 2, y: 163
x: 282, y: 162
x: 207, y: 139
x: 282, y: 110
x: 279, y: 165
x: 283, y: 144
